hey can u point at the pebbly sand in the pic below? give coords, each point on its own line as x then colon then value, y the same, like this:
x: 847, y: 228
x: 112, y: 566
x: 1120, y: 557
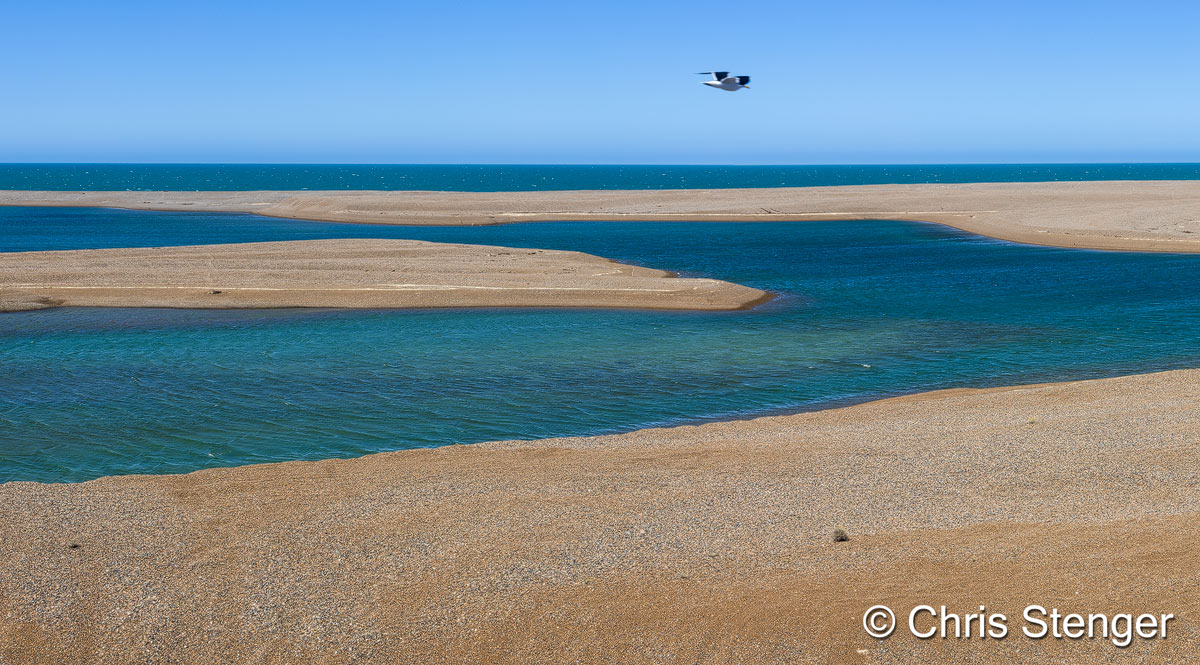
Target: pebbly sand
x: 349, y: 273
x: 692, y: 544
x: 1127, y: 215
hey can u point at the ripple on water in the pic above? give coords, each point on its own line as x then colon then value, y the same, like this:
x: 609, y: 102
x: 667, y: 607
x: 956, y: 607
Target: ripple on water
x: 869, y: 309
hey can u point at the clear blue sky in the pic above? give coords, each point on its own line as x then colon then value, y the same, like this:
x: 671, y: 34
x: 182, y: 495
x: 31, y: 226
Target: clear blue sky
x: 563, y: 82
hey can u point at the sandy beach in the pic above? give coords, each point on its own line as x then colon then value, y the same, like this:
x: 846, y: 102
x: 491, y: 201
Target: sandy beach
x: 349, y: 273
x: 1161, y: 216
x: 692, y: 544
x: 697, y: 544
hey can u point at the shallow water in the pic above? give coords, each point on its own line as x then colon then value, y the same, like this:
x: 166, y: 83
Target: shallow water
x: 866, y: 309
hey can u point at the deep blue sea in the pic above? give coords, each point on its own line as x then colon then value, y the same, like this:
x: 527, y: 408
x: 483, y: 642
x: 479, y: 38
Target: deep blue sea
x: 867, y: 309
x: 490, y: 178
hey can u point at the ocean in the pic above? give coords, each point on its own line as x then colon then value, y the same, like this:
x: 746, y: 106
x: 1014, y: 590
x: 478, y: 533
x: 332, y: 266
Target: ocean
x: 488, y: 178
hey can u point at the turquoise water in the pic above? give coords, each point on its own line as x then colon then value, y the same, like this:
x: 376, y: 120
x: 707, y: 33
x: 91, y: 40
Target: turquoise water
x: 488, y: 178
x: 867, y: 309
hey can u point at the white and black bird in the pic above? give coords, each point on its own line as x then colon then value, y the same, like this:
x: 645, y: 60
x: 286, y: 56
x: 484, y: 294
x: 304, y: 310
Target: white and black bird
x: 723, y: 81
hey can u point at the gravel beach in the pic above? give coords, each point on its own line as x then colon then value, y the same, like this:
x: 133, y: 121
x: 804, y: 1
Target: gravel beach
x: 701, y: 544
x: 710, y: 543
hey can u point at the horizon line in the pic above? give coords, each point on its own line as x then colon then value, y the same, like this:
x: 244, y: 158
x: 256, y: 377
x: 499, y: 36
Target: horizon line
x: 639, y: 164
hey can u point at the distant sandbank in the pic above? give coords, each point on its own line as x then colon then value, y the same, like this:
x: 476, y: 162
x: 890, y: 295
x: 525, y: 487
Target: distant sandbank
x: 709, y: 543
x: 1160, y: 216
x: 350, y: 273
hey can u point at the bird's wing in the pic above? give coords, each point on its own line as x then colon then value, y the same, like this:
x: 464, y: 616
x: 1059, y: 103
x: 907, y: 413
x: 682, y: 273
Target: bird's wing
x: 720, y: 76
x: 743, y: 80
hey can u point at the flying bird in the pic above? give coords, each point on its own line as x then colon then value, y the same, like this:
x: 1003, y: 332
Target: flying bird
x: 723, y: 81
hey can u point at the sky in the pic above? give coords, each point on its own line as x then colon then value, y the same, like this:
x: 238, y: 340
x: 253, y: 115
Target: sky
x: 605, y: 82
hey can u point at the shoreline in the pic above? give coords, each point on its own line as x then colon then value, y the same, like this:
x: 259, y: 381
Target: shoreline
x: 707, y: 542
x: 562, y: 548
x: 1150, y: 216
x: 353, y: 273
x: 586, y: 441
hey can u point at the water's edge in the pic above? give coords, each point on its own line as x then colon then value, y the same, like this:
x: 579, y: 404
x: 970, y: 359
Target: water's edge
x: 944, y: 317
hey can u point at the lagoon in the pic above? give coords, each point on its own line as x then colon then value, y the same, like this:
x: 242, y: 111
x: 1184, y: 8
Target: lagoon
x: 867, y: 309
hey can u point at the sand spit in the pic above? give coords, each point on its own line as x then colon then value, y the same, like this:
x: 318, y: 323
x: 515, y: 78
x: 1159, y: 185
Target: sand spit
x: 349, y: 273
x: 692, y: 544
x: 1127, y: 215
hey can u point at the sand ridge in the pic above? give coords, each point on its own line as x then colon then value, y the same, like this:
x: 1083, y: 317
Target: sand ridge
x: 1120, y: 215
x: 704, y: 544
x: 350, y: 273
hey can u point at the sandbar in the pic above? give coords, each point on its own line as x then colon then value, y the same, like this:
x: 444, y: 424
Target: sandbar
x: 1161, y: 216
x: 707, y: 543
x: 357, y: 273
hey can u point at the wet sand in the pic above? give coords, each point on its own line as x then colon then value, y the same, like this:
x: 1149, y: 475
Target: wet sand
x: 691, y: 544
x: 349, y: 273
x: 1127, y: 215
